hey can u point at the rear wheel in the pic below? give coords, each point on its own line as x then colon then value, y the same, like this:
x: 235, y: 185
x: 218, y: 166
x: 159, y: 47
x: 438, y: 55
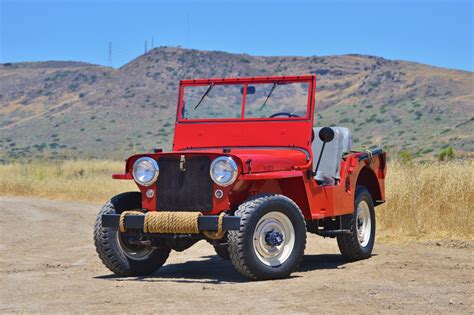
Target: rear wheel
x: 360, y: 242
x: 115, y: 249
x: 271, y: 240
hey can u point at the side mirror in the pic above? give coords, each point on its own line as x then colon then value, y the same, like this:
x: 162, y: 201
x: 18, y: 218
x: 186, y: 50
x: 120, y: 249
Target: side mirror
x: 250, y: 90
x: 326, y: 134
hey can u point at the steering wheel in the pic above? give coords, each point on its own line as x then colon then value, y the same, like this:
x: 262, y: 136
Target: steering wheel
x: 283, y: 114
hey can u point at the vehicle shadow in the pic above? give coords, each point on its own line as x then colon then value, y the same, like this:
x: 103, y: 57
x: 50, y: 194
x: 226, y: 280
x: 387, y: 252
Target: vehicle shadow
x: 214, y: 270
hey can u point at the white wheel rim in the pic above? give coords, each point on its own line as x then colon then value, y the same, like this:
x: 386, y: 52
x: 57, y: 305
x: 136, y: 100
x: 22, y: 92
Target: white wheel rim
x: 133, y: 253
x: 274, y: 253
x: 363, y: 223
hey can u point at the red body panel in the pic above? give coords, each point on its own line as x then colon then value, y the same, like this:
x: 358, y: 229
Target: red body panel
x: 273, y: 156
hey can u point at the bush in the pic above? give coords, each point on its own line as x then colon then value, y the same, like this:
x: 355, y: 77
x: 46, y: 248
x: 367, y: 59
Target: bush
x: 446, y: 154
x: 405, y: 157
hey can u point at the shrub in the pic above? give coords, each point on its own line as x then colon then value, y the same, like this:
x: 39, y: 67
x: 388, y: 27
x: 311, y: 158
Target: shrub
x: 405, y: 156
x: 446, y: 154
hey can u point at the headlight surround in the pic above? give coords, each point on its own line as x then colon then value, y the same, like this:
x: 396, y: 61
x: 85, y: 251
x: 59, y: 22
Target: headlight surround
x: 223, y: 171
x: 145, y: 171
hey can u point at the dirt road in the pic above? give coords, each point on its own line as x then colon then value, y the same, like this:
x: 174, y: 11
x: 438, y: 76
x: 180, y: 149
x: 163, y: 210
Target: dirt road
x: 48, y: 264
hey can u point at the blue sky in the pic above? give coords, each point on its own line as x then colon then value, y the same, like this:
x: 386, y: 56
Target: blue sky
x: 434, y: 32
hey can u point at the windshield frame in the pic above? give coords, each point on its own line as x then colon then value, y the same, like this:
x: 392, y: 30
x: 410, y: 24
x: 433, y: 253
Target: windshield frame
x: 310, y: 79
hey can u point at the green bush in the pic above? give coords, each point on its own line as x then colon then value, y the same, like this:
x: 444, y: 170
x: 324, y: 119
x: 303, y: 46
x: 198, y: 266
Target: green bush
x: 446, y: 154
x: 405, y: 156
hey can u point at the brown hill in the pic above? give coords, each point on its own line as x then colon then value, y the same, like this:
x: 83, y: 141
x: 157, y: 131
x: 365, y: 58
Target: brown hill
x: 71, y: 109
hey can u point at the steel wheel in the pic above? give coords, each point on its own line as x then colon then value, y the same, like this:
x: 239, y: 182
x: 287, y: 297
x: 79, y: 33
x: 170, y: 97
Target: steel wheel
x: 363, y: 223
x: 135, y: 252
x: 271, y: 240
x: 274, y: 238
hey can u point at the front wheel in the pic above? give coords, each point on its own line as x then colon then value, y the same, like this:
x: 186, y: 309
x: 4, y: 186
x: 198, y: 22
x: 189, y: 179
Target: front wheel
x: 359, y: 243
x: 272, y: 237
x: 115, y: 249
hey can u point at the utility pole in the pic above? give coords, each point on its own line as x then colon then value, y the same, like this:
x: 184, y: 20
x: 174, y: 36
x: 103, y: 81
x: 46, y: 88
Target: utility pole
x: 109, y: 60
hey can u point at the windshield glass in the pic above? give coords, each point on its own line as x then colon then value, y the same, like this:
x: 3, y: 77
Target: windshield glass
x: 262, y: 100
x: 221, y: 101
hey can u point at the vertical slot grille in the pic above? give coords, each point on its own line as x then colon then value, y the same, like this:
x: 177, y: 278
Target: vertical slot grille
x: 189, y: 190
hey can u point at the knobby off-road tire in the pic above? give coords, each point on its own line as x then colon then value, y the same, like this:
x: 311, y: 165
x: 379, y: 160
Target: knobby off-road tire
x: 222, y: 252
x: 360, y: 242
x: 262, y: 217
x: 122, y: 258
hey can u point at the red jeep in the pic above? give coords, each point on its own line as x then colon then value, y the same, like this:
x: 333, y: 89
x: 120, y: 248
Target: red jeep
x: 249, y: 174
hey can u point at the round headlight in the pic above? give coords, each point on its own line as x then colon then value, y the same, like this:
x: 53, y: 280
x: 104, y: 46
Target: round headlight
x: 223, y: 171
x: 145, y: 171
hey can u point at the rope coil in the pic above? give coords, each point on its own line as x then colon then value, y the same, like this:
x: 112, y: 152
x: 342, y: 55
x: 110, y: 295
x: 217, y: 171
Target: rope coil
x: 219, y: 233
x: 369, y: 155
x: 122, y: 227
x: 171, y: 222
x: 167, y: 222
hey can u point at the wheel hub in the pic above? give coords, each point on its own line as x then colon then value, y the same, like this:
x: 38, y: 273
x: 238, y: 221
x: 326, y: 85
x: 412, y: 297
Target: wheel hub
x: 274, y: 238
x: 133, y: 251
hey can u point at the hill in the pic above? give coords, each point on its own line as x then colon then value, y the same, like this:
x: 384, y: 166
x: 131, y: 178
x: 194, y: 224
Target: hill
x: 62, y: 109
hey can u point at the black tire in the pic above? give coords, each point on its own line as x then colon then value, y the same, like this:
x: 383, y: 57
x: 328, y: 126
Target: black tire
x: 222, y: 252
x: 349, y: 245
x: 111, y: 249
x: 243, y: 251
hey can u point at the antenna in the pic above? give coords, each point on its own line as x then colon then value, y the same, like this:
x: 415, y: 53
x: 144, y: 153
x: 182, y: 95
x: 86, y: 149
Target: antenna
x: 152, y: 46
x: 109, y: 60
x: 145, y: 46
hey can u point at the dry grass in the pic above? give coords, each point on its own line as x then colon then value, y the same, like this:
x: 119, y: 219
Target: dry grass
x: 428, y: 201
x: 424, y: 201
x: 88, y: 180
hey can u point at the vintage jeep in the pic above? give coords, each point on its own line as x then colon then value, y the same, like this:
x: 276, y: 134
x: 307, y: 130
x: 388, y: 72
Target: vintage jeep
x: 249, y: 174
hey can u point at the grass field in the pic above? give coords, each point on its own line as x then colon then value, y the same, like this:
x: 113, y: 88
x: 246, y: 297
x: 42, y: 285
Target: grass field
x: 424, y: 201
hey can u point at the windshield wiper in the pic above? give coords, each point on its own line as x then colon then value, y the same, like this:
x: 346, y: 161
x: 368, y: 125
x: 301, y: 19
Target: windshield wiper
x: 204, y: 95
x: 268, y: 96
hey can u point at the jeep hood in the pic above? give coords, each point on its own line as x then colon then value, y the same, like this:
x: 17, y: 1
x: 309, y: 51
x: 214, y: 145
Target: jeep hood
x: 256, y: 160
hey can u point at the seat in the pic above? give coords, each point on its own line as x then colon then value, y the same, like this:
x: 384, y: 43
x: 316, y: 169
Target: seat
x: 330, y: 166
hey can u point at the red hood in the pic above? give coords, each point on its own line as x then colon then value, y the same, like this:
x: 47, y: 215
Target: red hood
x: 264, y: 159
x: 261, y: 159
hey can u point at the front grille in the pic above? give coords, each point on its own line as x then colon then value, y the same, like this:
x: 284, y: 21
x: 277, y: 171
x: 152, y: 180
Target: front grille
x: 190, y: 190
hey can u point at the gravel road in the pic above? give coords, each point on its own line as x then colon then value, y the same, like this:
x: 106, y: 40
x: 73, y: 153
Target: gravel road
x: 48, y: 264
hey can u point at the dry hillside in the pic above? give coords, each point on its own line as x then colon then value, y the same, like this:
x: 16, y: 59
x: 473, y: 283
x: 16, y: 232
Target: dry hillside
x: 70, y: 109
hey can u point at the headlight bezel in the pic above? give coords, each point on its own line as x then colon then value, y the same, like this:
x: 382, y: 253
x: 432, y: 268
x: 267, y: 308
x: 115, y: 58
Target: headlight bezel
x: 232, y: 163
x: 154, y: 165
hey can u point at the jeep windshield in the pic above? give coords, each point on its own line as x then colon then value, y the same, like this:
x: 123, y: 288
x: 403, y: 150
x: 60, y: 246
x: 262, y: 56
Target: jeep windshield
x: 237, y: 99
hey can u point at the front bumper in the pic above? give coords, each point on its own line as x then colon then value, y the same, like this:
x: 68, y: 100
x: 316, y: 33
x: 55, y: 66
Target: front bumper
x: 205, y: 222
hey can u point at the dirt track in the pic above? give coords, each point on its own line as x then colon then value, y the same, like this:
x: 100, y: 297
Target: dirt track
x: 48, y: 264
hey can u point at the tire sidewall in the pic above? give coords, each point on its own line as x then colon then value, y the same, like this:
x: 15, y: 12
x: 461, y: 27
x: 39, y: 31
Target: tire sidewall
x: 293, y: 213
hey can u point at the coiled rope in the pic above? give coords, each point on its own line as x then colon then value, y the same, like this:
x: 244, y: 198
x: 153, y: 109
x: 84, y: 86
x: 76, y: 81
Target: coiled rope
x: 122, y: 227
x: 171, y: 222
x: 219, y: 233
x: 167, y: 222
x: 369, y: 155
